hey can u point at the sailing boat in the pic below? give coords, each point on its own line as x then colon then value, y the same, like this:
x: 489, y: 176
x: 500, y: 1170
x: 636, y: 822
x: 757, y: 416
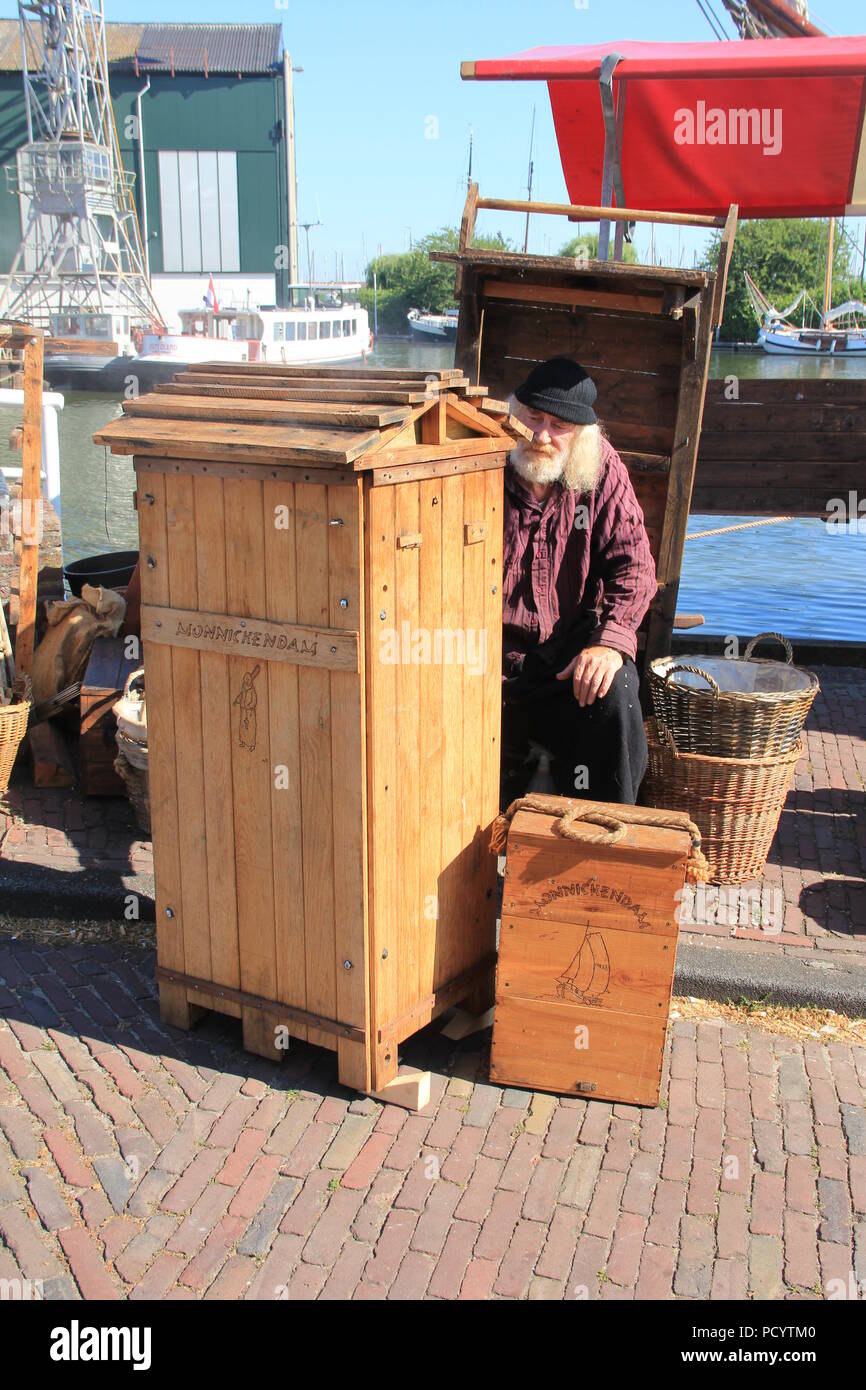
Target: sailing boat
x: 839, y: 333
x: 587, y: 978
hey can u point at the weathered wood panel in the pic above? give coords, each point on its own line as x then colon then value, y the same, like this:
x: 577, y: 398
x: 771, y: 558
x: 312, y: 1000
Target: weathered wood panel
x: 781, y: 446
x: 162, y: 771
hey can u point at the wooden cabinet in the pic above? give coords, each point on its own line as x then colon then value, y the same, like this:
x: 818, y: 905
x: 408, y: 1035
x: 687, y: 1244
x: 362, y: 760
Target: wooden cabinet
x: 586, y: 956
x: 321, y: 614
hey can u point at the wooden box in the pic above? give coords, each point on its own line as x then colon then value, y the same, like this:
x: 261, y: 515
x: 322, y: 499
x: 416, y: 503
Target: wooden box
x: 586, y: 957
x: 321, y: 554
x: 104, y: 679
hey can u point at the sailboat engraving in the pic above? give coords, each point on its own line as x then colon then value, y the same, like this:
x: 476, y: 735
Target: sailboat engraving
x: 587, y: 978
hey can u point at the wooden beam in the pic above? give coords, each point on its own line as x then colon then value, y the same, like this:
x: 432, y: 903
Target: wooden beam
x: 583, y: 213
x: 564, y: 294
x: 31, y: 503
x: 467, y: 231
x: 726, y: 250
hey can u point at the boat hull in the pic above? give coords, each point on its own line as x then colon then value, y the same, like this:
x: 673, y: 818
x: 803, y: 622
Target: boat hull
x: 825, y: 345
x: 434, y: 334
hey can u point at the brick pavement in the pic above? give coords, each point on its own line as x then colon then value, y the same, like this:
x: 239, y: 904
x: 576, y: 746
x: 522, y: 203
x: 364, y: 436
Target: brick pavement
x: 140, y: 1162
x: 812, y: 894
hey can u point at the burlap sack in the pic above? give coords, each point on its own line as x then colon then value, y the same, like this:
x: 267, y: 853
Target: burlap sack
x: 73, y: 626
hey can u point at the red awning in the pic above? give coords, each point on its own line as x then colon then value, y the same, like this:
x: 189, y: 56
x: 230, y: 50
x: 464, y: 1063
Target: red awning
x: 775, y: 125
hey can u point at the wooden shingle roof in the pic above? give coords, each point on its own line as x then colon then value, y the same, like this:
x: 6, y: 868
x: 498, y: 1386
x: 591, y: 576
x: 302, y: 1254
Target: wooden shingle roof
x: 355, y: 419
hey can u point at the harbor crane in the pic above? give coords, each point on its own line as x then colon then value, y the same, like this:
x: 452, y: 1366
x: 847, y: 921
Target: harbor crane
x: 81, y: 251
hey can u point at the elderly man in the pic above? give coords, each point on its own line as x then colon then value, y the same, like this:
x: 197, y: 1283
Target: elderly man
x: 578, y: 577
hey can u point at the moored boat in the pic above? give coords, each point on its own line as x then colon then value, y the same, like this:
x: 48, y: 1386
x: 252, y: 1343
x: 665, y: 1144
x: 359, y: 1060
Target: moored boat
x: 321, y: 326
x: 427, y: 326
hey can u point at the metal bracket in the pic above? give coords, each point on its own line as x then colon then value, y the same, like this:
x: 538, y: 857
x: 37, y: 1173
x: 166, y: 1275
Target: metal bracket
x: 611, y: 179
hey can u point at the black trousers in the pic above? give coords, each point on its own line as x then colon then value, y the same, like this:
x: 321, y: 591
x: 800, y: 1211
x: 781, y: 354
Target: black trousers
x: 599, y: 750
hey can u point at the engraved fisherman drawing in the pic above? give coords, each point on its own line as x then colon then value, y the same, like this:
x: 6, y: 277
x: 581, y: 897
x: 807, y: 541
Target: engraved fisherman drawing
x: 247, y: 699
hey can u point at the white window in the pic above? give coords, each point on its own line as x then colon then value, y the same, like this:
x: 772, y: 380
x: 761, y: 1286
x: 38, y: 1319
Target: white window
x: 336, y: 328
x: 302, y: 331
x: 290, y: 332
x: 198, y: 192
x: 347, y: 328
x: 325, y: 330
x: 313, y: 331
x: 278, y: 332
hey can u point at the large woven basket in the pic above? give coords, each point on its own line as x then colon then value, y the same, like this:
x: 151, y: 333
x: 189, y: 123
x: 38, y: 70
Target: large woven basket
x: 730, y: 708
x: 135, y: 781
x: 13, y: 727
x: 735, y: 802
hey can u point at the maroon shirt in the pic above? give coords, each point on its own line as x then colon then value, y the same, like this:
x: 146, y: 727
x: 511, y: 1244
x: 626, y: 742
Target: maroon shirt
x: 563, y: 565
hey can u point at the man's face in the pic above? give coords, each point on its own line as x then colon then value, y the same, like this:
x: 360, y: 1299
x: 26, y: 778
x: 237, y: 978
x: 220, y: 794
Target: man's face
x: 542, y: 459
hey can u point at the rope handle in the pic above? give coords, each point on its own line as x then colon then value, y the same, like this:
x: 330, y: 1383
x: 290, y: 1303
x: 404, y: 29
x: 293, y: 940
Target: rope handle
x: 774, y: 637
x: 695, y: 671
x: 572, y: 817
x: 573, y: 826
x: 133, y: 676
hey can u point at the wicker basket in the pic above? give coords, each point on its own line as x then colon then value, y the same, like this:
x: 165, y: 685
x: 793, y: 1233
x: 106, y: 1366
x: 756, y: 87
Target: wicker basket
x: 135, y: 781
x: 735, y: 802
x: 727, y: 708
x: 13, y: 727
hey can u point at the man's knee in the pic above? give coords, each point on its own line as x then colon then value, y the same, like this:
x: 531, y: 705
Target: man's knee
x: 624, y: 693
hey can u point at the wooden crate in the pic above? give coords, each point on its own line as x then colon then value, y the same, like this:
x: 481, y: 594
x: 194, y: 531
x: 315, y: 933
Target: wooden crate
x: 586, y: 958
x: 642, y: 332
x: 106, y: 674
x: 322, y: 783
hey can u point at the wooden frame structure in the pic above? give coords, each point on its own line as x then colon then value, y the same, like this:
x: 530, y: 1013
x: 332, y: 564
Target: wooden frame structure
x: 644, y: 333
x: 29, y: 341
x: 321, y: 802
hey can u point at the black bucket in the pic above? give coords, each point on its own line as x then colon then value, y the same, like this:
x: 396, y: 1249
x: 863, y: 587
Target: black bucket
x: 112, y: 571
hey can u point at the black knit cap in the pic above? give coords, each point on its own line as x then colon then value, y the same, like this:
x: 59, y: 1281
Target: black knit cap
x: 562, y: 388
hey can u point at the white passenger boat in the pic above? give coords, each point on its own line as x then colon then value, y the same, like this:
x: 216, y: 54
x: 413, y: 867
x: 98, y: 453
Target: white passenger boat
x: 88, y: 340
x: 321, y: 327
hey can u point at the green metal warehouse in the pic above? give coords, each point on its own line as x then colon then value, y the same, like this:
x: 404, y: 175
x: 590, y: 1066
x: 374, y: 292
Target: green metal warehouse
x: 211, y: 168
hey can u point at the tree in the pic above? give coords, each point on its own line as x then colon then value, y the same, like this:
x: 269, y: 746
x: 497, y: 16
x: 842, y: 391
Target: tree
x: 410, y: 280
x: 783, y: 256
x: 585, y: 247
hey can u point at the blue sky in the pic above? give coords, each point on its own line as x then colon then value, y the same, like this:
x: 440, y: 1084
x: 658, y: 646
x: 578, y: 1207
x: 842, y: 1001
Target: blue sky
x: 375, y: 72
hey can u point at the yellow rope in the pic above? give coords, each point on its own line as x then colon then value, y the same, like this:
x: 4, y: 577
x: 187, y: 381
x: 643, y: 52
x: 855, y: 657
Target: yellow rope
x: 743, y: 526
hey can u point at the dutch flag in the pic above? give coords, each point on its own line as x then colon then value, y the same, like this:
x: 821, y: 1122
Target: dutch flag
x: 210, y: 298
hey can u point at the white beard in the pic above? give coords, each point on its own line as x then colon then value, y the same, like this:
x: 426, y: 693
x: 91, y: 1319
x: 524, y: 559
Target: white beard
x: 577, y: 464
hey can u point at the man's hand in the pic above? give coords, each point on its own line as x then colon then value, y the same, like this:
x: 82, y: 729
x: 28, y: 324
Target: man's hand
x: 592, y: 673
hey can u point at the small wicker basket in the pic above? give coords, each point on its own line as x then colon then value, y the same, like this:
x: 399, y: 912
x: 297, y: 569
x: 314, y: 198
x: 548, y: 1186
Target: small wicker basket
x: 735, y: 802
x: 13, y: 727
x: 749, y: 708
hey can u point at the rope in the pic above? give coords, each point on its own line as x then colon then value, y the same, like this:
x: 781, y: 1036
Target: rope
x: 743, y: 526
x: 612, y: 822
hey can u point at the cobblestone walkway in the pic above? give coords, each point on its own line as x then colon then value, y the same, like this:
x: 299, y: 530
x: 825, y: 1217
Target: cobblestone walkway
x: 136, y: 1161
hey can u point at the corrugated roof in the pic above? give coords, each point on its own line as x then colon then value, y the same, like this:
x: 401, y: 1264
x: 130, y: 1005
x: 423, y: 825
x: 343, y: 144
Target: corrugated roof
x: 190, y: 48
x: 246, y: 48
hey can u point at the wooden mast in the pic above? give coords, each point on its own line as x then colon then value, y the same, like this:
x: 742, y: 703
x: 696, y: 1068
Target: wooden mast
x: 828, y: 273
